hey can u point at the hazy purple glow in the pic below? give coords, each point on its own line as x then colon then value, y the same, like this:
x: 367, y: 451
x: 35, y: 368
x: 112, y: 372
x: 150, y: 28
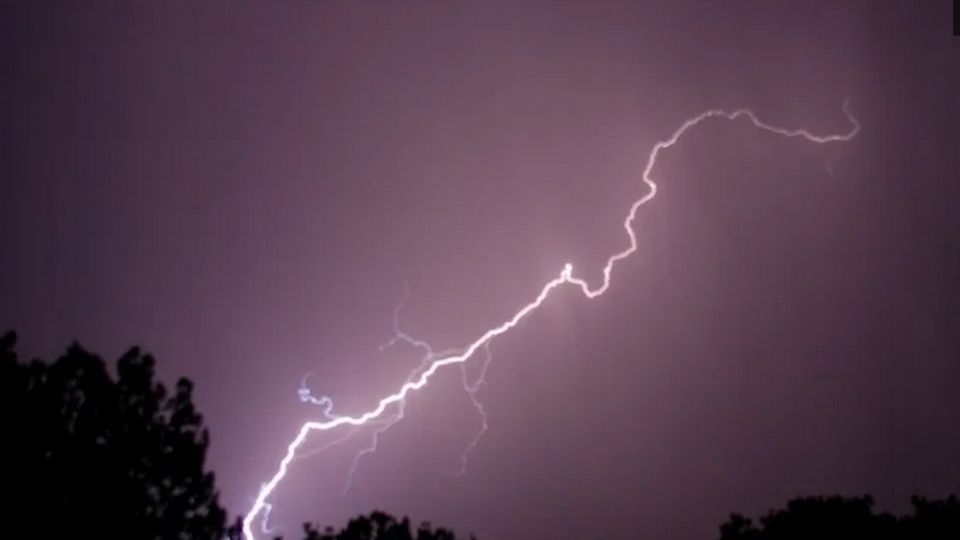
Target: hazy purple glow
x: 433, y: 363
x: 247, y: 190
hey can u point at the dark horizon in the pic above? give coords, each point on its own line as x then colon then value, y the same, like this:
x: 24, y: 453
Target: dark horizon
x: 249, y: 191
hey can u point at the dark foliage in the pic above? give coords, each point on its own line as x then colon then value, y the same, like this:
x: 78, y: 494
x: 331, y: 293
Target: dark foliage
x: 378, y: 526
x: 89, y: 455
x: 835, y: 518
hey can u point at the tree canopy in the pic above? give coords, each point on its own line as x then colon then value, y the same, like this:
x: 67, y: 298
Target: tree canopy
x: 378, y: 526
x: 92, y: 455
x: 836, y: 518
x: 95, y: 454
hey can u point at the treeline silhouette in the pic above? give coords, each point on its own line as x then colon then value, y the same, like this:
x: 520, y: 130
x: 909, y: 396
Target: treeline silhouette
x: 90, y: 454
x: 378, y: 526
x: 836, y: 518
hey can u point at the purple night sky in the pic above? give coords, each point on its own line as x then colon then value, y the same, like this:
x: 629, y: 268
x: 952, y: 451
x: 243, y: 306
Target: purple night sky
x: 246, y: 189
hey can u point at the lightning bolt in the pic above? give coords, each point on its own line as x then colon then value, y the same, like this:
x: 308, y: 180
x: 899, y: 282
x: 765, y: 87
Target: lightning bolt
x: 420, y: 377
x: 383, y: 424
x: 306, y: 396
x: 471, y: 389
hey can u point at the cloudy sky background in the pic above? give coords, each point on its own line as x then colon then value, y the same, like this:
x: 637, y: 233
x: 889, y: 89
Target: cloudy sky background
x: 247, y: 189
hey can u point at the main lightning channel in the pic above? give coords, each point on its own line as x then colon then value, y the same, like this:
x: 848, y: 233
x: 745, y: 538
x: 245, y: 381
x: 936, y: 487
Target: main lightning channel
x: 412, y: 384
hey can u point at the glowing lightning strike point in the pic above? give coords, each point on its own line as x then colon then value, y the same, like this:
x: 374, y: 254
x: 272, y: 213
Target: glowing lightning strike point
x: 566, y: 276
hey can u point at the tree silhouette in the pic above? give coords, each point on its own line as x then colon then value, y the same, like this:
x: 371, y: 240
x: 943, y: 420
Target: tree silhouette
x: 92, y: 455
x: 88, y: 455
x: 835, y: 518
x: 378, y: 526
